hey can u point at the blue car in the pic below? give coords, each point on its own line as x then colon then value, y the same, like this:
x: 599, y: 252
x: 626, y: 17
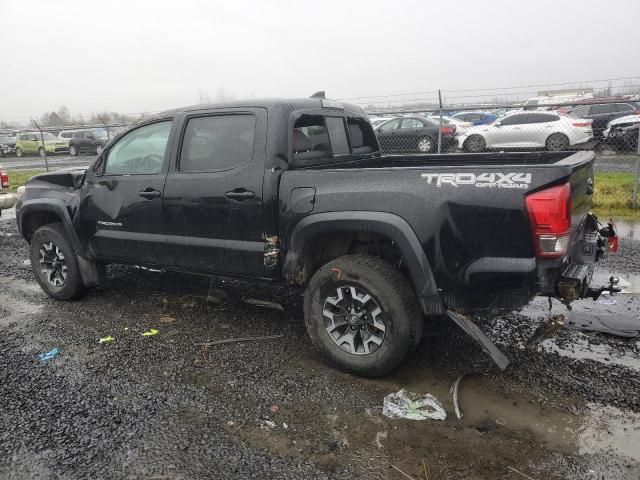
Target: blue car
x: 476, y: 118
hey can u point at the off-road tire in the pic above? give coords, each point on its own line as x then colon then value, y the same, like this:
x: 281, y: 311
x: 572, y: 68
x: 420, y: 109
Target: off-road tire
x: 73, y: 287
x: 392, y: 293
x: 474, y: 144
x: 557, y: 142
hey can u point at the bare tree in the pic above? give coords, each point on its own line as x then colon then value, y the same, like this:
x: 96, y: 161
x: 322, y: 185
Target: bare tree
x: 203, y: 97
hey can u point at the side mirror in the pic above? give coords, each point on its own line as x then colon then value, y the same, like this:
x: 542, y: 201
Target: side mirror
x: 497, y: 124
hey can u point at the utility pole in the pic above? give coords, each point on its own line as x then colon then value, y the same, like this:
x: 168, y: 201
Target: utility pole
x: 440, y: 123
x: 634, y: 201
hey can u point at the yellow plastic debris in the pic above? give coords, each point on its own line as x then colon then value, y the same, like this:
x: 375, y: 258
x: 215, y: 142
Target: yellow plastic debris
x: 152, y: 331
x: 107, y: 339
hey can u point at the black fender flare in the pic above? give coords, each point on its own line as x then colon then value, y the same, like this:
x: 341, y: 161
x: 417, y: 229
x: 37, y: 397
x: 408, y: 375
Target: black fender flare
x: 388, y: 224
x: 56, y: 207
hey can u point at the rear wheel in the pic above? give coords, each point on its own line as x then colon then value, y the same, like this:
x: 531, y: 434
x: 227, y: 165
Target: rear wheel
x: 425, y: 145
x: 99, y: 149
x: 41, y: 152
x: 73, y: 150
x: 18, y: 152
x: 54, y: 263
x: 362, y: 314
x: 557, y: 142
x: 474, y: 144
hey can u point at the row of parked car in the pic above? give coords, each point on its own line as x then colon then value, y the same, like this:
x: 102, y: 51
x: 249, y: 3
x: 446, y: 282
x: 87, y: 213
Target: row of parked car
x: 74, y: 142
x: 615, y: 123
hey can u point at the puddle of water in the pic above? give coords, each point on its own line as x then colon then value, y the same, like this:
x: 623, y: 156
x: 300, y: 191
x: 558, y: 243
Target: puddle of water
x: 609, y: 429
x: 8, y: 214
x: 581, y: 350
x: 12, y: 297
x: 598, y: 429
x: 628, y: 228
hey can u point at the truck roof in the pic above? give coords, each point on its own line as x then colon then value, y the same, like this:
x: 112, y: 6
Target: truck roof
x: 269, y: 103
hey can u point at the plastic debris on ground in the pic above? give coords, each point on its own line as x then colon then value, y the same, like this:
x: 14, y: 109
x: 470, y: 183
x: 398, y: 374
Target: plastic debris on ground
x: 614, y: 324
x: 107, y: 339
x: 264, y: 303
x: 50, y: 355
x: 413, y: 406
x: 607, y: 300
x: 150, y: 332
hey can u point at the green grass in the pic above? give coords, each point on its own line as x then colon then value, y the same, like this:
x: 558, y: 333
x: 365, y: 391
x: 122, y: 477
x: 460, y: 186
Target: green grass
x: 612, y: 196
x: 20, y: 177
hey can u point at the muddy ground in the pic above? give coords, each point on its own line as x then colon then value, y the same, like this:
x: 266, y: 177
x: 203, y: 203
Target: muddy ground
x: 161, y: 407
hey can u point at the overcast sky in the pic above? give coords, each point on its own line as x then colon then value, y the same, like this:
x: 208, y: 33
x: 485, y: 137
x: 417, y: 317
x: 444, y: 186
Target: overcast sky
x: 134, y: 56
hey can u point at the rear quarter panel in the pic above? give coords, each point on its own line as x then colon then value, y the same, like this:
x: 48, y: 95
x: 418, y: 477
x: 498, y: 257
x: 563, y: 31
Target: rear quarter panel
x: 458, y: 214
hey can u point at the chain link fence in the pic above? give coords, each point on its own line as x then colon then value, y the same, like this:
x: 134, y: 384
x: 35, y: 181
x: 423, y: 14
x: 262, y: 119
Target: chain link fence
x: 611, y: 128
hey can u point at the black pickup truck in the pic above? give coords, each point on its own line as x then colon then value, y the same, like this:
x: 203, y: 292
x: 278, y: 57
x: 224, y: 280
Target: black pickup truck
x: 297, y: 191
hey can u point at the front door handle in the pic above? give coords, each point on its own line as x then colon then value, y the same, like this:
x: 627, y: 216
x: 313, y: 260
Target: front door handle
x: 149, y: 193
x: 240, y: 194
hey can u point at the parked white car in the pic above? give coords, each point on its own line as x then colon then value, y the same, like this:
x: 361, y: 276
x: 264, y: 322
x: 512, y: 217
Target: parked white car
x: 535, y: 129
x: 628, y: 119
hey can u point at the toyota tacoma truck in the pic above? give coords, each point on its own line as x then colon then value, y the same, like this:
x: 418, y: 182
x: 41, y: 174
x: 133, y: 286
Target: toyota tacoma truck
x: 297, y: 191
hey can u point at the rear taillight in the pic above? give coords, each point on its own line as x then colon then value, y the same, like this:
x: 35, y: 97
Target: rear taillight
x: 448, y: 130
x: 549, y: 213
x: 4, y: 179
x: 581, y: 124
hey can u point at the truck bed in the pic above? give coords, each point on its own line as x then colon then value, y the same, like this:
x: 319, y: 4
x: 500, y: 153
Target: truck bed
x: 468, y: 211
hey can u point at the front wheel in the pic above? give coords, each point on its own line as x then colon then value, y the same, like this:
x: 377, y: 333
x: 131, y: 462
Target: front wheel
x: 98, y: 149
x: 18, y: 152
x: 425, y: 145
x: 557, y: 142
x: 73, y: 150
x: 54, y: 263
x: 41, y: 152
x: 362, y: 314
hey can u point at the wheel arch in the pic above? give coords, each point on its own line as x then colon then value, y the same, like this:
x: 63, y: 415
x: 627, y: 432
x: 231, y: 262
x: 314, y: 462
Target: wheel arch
x: 35, y: 213
x: 347, y: 224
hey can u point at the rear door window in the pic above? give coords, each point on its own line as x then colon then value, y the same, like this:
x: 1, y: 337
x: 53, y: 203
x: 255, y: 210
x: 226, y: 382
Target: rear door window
x: 337, y: 135
x: 602, y: 109
x: 518, y: 119
x: 217, y: 142
x: 624, y: 107
x: 390, y: 125
x: 411, y: 123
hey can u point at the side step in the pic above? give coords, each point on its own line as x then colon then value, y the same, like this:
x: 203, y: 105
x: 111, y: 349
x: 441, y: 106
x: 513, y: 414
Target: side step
x: 471, y: 329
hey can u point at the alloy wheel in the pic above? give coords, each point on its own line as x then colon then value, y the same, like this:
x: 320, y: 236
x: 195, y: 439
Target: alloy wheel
x: 354, y: 320
x: 52, y: 264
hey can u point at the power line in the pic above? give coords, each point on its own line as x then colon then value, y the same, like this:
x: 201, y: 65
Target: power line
x: 496, y: 88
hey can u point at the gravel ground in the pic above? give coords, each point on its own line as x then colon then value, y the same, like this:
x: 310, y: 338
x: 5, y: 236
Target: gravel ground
x: 161, y: 407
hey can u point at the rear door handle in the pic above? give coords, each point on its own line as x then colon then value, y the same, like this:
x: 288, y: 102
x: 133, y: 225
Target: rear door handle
x: 240, y: 194
x: 149, y: 193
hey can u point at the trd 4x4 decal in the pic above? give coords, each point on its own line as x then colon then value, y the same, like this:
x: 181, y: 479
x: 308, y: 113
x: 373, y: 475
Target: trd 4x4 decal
x: 481, y: 180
